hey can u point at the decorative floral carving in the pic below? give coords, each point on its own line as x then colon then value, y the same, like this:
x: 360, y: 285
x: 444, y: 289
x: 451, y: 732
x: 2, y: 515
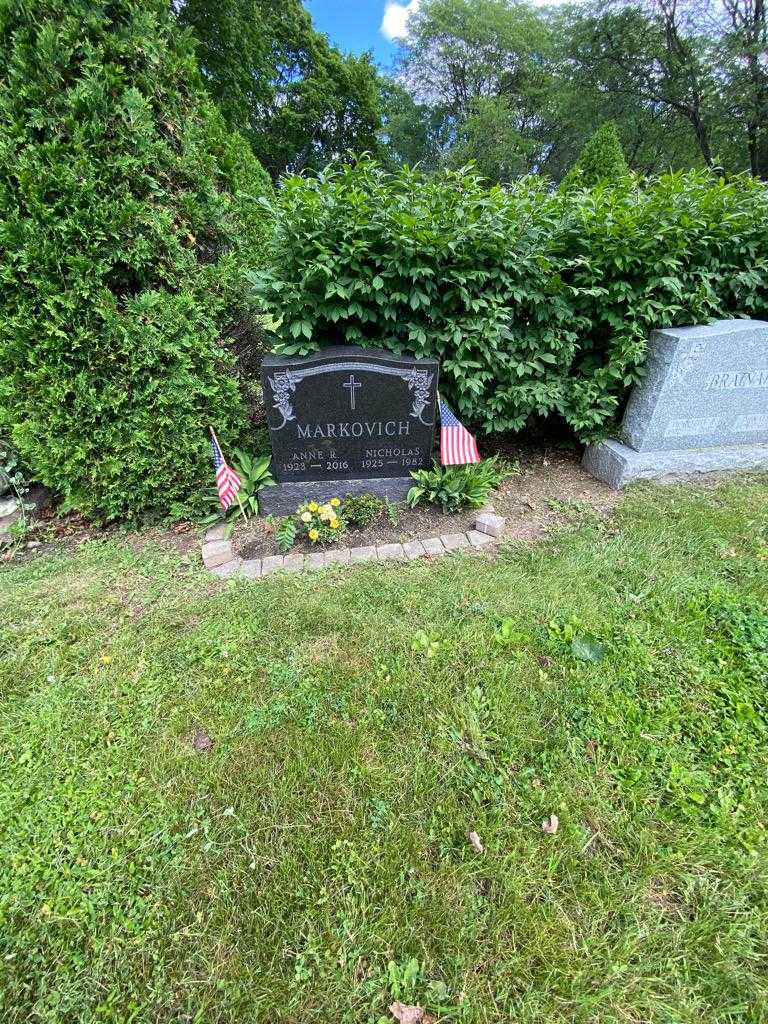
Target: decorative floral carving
x: 687, y: 363
x: 420, y: 382
x: 283, y: 385
x: 284, y: 382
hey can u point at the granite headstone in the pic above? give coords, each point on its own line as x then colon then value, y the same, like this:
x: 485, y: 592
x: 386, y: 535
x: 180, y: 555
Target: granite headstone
x: 347, y: 420
x: 702, y: 406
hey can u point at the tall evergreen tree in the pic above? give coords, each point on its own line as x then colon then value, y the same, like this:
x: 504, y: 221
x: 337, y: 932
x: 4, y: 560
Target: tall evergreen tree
x: 601, y: 160
x: 127, y: 213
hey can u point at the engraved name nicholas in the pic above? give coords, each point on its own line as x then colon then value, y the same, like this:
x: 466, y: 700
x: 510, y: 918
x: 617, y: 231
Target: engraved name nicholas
x: 738, y: 379
x: 357, y: 428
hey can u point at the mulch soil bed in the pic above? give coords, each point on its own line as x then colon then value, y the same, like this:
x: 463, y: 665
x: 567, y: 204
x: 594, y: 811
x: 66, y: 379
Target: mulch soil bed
x: 549, y: 489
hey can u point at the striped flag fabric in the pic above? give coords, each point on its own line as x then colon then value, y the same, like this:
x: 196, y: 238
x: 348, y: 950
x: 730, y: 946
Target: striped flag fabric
x: 227, y: 480
x: 457, y: 446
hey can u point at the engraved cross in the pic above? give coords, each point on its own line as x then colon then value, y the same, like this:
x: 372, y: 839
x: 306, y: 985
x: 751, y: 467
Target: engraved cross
x: 353, y: 385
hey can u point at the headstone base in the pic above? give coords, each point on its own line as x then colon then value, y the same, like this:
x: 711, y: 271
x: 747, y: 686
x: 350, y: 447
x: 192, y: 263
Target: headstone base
x: 284, y: 499
x: 617, y: 465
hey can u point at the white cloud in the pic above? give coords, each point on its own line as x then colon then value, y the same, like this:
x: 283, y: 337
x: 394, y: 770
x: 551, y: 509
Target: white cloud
x: 394, y: 24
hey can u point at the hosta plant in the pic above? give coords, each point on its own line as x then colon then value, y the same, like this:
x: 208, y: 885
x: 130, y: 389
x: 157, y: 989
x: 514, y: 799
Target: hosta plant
x: 254, y: 474
x: 455, y: 487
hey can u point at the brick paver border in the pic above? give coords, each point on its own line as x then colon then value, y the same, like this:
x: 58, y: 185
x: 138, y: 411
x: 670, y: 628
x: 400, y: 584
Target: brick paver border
x: 220, y: 559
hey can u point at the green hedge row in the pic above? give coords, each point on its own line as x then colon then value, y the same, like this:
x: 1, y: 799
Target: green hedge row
x: 537, y: 302
x: 127, y: 215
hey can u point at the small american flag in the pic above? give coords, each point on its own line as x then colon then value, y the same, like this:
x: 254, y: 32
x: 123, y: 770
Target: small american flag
x: 227, y: 480
x: 457, y: 445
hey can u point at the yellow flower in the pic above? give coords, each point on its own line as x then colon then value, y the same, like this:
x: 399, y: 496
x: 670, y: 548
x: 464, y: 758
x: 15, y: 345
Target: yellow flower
x: 326, y: 514
x: 335, y: 502
x: 335, y: 524
x: 306, y: 517
x: 312, y: 506
x: 313, y: 535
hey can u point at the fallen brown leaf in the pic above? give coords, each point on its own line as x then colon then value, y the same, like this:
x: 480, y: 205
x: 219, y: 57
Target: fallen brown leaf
x: 201, y: 741
x: 550, y: 825
x: 475, y: 842
x: 407, y: 1014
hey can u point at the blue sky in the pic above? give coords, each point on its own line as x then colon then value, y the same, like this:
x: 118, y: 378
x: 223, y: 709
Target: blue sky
x: 359, y: 25
x: 356, y: 25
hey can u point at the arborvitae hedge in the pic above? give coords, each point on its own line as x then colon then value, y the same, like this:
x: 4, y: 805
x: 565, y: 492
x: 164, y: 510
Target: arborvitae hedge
x: 127, y: 212
x: 537, y: 302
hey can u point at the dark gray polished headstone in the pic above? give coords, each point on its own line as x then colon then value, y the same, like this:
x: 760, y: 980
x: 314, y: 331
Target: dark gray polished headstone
x: 702, y: 407
x: 347, y: 420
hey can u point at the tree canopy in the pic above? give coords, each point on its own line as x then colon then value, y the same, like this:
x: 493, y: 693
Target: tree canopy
x: 521, y: 89
x: 297, y: 99
x: 514, y: 87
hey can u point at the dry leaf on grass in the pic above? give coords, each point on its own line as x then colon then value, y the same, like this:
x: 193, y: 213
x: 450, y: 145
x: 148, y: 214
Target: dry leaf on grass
x: 201, y: 741
x: 407, y: 1014
x: 550, y: 825
x: 475, y: 842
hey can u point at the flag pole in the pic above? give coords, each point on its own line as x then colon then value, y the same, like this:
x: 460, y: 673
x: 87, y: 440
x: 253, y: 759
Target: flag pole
x: 237, y: 495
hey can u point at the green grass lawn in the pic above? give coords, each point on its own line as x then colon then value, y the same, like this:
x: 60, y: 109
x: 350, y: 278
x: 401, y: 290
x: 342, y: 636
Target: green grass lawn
x: 313, y: 865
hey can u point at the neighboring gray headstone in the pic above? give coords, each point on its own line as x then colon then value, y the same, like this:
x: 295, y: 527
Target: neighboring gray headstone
x: 702, y: 407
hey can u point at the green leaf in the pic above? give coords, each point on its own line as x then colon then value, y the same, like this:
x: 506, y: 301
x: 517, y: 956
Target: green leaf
x: 586, y: 649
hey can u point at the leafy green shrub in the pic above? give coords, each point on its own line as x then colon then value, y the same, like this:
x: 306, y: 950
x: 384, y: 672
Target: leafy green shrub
x: 601, y: 160
x: 537, y: 302
x: 360, y: 510
x: 454, y: 487
x: 127, y: 212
